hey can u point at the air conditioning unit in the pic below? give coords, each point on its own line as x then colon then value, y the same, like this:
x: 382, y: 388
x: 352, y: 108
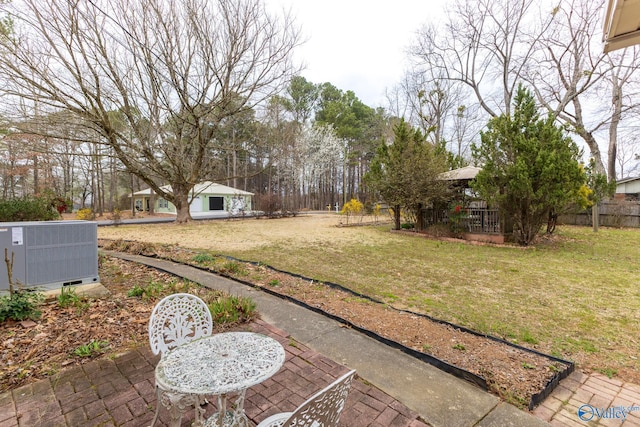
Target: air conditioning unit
x: 49, y: 254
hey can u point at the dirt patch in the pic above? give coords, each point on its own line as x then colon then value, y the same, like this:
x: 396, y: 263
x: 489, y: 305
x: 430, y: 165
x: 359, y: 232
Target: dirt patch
x: 512, y: 373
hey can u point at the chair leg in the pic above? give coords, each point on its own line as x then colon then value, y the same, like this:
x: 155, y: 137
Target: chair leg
x: 155, y: 417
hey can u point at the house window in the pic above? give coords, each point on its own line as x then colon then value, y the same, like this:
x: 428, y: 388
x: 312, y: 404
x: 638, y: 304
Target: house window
x: 216, y: 203
x: 162, y: 203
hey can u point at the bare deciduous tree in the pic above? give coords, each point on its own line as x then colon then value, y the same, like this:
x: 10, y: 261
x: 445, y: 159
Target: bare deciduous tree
x: 437, y: 106
x: 485, y: 45
x: 574, y: 78
x: 623, y: 84
x: 568, y: 68
x: 172, y: 70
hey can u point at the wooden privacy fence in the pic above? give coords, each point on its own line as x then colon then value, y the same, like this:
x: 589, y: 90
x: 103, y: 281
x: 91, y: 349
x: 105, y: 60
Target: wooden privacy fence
x: 612, y: 214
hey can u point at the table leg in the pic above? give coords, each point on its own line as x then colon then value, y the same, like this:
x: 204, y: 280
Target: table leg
x: 177, y: 404
x: 239, y: 415
x: 229, y: 417
x: 222, y: 411
x: 200, y: 411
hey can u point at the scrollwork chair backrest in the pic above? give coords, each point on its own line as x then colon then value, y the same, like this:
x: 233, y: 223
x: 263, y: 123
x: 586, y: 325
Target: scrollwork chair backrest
x: 323, y: 408
x: 178, y: 319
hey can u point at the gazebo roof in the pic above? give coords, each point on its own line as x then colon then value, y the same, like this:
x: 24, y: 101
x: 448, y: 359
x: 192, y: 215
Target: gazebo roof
x: 461, y: 174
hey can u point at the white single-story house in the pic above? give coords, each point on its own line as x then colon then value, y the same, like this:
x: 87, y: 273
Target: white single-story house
x: 628, y: 188
x: 205, y: 197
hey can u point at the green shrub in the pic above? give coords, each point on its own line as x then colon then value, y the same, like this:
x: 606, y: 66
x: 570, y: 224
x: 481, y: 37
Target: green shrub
x: 233, y: 268
x: 69, y: 298
x: 88, y: 350
x: 27, y: 209
x: 232, y: 309
x: 202, y: 258
x: 152, y: 291
x: 156, y: 289
x: 136, y: 291
x: 20, y: 306
x: 457, y: 214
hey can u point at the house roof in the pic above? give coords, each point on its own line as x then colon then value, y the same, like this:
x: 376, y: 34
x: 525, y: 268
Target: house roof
x: 209, y: 187
x: 149, y: 191
x: 627, y: 179
x: 465, y: 173
x: 205, y: 187
x: 621, y: 24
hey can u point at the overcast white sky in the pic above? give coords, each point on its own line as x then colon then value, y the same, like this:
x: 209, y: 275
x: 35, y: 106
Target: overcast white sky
x: 358, y: 45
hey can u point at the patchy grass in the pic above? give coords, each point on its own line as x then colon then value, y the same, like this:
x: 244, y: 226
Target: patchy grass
x: 574, y: 295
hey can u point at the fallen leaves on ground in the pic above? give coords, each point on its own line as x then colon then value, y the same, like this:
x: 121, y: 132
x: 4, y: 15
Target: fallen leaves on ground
x: 35, y: 349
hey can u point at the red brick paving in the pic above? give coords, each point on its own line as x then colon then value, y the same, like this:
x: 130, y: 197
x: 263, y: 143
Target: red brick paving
x: 120, y: 392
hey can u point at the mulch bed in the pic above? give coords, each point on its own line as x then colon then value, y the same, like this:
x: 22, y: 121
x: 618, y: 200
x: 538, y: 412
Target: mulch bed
x: 35, y: 349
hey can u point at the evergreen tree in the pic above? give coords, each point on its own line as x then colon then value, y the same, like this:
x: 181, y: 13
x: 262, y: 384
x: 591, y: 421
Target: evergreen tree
x: 530, y: 168
x: 405, y: 173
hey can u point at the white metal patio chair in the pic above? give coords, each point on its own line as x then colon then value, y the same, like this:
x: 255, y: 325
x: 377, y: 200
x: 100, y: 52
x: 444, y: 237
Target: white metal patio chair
x: 323, y: 409
x: 178, y: 319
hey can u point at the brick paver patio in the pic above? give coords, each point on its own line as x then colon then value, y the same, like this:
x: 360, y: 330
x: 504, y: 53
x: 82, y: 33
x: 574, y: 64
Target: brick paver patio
x: 120, y: 392
x: 602, y: 401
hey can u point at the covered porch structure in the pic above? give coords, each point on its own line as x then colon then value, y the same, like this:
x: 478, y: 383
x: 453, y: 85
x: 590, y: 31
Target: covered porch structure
x: 467, y: 216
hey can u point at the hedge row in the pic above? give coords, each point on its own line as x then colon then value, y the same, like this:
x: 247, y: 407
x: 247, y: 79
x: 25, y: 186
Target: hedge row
x: 28, y: 209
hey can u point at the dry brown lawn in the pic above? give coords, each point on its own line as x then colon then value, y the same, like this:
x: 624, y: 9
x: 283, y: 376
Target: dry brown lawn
x: 233, y: 236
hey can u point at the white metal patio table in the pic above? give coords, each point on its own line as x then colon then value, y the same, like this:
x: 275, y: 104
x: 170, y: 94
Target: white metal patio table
x: 220, y: 364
